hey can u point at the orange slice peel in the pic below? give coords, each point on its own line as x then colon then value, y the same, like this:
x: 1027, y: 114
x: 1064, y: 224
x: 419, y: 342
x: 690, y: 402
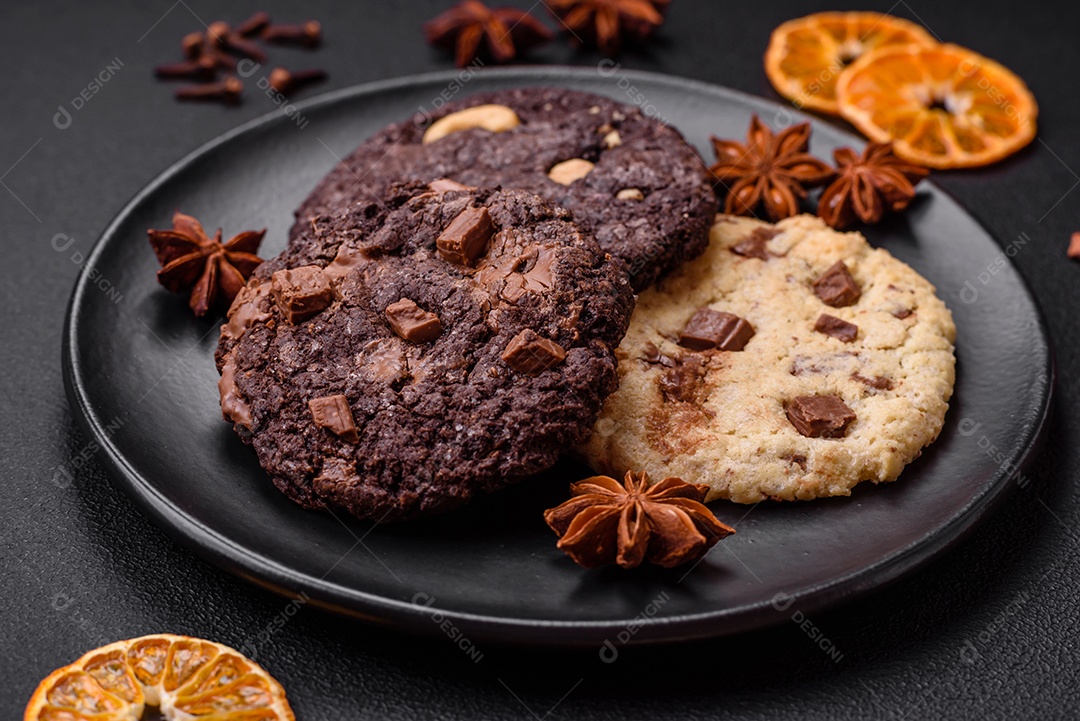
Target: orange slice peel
x: 185, y: 677
x: 806, y: 56
x: 942, y: 107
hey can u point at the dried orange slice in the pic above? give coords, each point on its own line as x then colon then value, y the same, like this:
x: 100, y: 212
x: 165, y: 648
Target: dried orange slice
x: 942, y: 107
x: 806, y: 55
x: 188, y: 678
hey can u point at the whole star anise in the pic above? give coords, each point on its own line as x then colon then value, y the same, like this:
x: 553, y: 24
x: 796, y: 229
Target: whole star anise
x: 214, y: 271
x: 868, y: 185
x: 608, y: 522
x: 770, y: 171
x: 606, y: 23
x: 464, y: 27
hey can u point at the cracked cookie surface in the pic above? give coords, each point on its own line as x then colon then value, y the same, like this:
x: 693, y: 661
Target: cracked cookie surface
x: 728, y: 418
x: 369, y: 365
x: 629, y: 179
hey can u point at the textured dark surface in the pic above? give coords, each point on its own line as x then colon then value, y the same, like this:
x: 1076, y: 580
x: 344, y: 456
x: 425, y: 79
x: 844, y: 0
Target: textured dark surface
x: 651, y: 235
x: 989, y: 631
x: 443, y: 420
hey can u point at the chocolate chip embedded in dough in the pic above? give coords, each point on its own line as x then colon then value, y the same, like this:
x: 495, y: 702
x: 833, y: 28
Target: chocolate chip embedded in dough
x: 529, y: 353
x: 836, y: 287
x: 467, y: 237
x: 753, y: 245
x: 412, y: 323
x: 880, y: 383
x: 333, y: 413
x: 301, y: 293
x: 233, y: 406
x: 819, y: 416
x: 838, y: 328
x: 683, y: 381
x: 708, y: 329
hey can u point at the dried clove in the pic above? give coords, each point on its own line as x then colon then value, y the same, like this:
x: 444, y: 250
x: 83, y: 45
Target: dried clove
x: 201, y: 68
x: 192, y: 45
x: 308, y: 34
x: 253, y: 25
x: 228, y: 90
x: 285, y: 82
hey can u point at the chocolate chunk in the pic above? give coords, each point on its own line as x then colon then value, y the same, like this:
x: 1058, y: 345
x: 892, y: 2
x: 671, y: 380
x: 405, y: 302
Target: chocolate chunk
x: 411, y: 322
x: 820, y: 416
x: 233, y: 407
x: 245, y: 310
x: 335, y: 471
x: 881, y: 383
x: 836, y: 287
x: 653, y: 356
x: 467, y: 236
x: 384, y: 359
x: 333, y: 413
x: 301, y: 292
x: 529, y: 353
x: 347, y: 260
x: 512, y: 276
x: 840, y: 329
x: 902, y: 313
x: 753, y: 246
x: 683, y: 382
x: 709, y: 329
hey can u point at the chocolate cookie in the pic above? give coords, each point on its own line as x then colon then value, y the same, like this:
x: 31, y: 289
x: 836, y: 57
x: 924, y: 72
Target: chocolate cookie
x: 407, y: 354
x: 630, y: 180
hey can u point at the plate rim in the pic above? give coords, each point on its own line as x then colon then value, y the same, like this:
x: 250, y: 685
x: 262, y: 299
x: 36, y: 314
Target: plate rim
x: 269, y: 574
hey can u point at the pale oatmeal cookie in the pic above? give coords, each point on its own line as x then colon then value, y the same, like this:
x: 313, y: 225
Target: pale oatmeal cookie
x: 790, y: 361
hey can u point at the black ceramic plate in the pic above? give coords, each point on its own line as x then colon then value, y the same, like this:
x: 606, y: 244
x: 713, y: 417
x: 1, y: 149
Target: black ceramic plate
x: 141, y: 378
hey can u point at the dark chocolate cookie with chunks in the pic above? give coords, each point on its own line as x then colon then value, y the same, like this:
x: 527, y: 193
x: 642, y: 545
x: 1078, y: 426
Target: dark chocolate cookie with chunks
x: 628, y: 178
x: 411, y: 353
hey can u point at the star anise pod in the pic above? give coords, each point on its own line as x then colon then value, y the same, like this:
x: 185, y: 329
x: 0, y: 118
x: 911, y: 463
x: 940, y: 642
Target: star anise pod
x: 607, y: 23
x: 868, y: 185
x: 770, y: 171
x: 608, y: 522
x: 472, y: 29
x: 214, y: 271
